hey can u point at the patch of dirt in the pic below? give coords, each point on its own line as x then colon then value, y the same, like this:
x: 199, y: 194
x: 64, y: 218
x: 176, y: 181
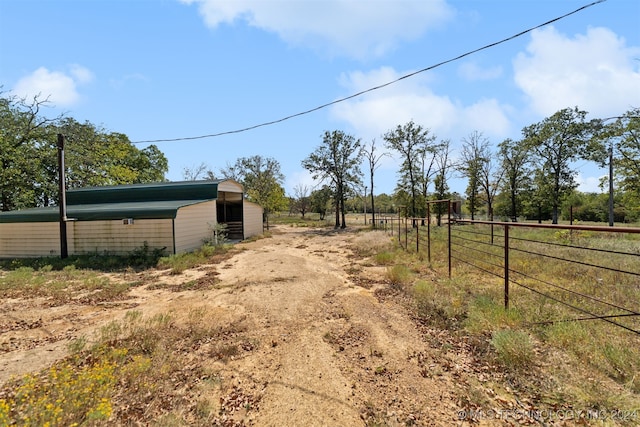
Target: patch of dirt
x: 315, y: 337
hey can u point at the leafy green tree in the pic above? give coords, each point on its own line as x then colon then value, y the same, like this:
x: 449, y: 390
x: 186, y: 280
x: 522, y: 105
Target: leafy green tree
x: 337, y: 160
x: 320, y: 200
x: 591, y: 207
x: 556, y: 142
x: 262, y: 180
x: 384, y: 202
x: 623, y: 137
x: 96, y: 157
x: 412, y: 142
x: 24, y: 136
x: 93, y: 157
x: 514, y: 157
x: 472, y: 159
x: 538, y: 203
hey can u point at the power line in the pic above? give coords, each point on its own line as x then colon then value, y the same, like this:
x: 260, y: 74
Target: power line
x: 355, y: 95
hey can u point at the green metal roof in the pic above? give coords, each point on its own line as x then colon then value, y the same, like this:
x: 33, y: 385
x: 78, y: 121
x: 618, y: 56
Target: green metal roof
x: 185, y: 190
x: 101, y: 211
x: 138, y: 201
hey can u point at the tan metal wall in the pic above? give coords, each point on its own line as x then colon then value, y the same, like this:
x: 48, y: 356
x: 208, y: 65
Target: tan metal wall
x: 230, y: 186
x: 36, y: 239
x: 29, y: 239
x: 193, y: 225
x: 252, y: 219
x: 113, y: 237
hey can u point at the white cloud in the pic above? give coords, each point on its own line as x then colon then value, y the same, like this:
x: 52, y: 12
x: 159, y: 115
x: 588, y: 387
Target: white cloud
x: 123, y: 81
x: 472, y: 71
x: 486, y: 116
x: 588, y: 184
x: 596, y: 72
x: 59, y: 87
x: 300, y: 177
x: 81, y: 74
x: 375, y: 113
x: 354, y: 27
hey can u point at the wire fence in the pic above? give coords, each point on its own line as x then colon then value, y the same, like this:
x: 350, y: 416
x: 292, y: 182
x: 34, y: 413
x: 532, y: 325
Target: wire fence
x: 556, y: 273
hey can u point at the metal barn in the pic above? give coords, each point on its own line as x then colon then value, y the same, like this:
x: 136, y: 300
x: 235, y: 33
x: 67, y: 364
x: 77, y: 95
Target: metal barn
x: 174, y: 216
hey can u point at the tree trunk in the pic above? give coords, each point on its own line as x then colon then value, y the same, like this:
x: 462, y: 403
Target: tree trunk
x: 373, y: 209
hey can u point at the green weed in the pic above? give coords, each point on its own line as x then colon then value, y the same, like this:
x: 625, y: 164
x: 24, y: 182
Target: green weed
x: 399, y: 275
x: 513, y: 348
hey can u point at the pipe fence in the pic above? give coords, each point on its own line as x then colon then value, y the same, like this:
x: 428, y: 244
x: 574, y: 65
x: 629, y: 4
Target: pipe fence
x: 567, y: 272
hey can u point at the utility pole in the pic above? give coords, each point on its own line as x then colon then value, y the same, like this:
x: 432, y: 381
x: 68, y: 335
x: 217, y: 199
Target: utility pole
x: 63, y: 199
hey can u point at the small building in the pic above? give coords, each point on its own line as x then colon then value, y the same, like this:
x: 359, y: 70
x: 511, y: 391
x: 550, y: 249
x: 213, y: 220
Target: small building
x: 173, y: 216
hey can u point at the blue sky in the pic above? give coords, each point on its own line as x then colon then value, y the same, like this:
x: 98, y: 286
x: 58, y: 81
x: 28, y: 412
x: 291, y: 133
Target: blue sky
x: 182, y: 68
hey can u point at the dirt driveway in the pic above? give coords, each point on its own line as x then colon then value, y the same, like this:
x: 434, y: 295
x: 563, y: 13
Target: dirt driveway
x: 328, y: 342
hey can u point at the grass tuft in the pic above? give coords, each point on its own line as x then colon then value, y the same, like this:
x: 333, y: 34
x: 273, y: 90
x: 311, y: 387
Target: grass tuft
x: 513, y: 348
x: 399, y: 275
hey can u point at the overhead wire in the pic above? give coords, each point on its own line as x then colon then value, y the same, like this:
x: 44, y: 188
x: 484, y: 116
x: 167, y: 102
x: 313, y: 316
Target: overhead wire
x: 374, y: 88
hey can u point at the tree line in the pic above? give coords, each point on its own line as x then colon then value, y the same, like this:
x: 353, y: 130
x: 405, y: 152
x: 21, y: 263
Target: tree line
x: 531, y: 177
x: 93, y: 156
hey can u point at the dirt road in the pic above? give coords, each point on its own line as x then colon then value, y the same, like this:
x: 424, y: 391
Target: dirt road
x: 325, y: 341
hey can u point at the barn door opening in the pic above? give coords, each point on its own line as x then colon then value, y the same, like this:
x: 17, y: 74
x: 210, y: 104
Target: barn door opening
x: 229, y: 212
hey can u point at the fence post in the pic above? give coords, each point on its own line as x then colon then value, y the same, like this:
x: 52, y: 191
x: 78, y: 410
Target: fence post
x: 449, y: 233
x: 418, y: 239
x: 506, y: 267
x: 399, y: 234
x: 429, y: 232
x: 406, y: 234
x: 492, y: 234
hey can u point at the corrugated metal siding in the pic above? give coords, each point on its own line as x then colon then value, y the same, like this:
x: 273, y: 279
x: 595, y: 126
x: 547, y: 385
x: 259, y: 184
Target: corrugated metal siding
x: 230, y: 186
x: 30, y: 240
x: 252, y: 219
x: 113, y: 237
x: 158, y: 191
x: 192, y: 225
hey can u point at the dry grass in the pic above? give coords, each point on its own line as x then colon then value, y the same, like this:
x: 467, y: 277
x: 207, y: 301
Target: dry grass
x: 153, y: 363
x: 62, y: 286
x: 372, y: 242
x: 471, y: 303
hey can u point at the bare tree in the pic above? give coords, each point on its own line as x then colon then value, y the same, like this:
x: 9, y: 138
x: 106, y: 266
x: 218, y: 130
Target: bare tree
x: 231, y: 171
x: 491, y: 176
x: 301, y: 198
x: 196, y: 172
x: 443, y: 172
x: 374, y: 163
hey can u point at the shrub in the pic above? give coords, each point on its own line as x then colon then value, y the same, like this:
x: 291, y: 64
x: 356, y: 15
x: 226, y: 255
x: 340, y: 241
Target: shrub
x: 513, y: 348
x: 384, y: 258
x: 399, y: 275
